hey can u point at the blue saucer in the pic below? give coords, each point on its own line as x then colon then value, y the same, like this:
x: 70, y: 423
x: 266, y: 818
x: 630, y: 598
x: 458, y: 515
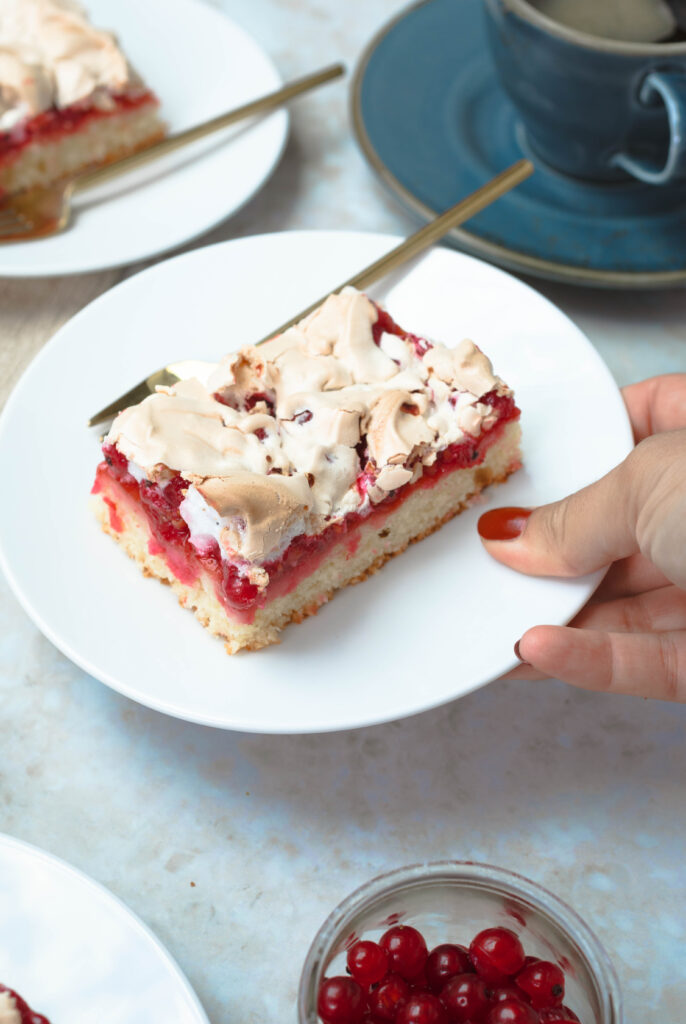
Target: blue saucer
x: 433, y: 122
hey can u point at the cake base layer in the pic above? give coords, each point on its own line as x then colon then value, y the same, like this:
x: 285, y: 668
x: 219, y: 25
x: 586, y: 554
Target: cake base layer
x: 359, y: 554
x: 99, y: 141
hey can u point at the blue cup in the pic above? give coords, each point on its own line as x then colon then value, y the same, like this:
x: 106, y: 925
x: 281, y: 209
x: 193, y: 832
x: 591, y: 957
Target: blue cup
x: 593, y: 108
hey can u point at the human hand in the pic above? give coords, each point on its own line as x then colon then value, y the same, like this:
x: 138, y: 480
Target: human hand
x: 631, y: 636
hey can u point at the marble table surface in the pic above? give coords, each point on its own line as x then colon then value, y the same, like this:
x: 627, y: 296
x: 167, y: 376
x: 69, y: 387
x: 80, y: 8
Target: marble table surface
x: 581, y: 792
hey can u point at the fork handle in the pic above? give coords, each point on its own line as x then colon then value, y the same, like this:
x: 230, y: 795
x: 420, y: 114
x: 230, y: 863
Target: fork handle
x: 425, y: 237
x: 172, y: 142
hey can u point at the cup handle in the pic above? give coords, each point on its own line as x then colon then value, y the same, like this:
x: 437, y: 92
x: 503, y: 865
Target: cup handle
x: 670, y: 87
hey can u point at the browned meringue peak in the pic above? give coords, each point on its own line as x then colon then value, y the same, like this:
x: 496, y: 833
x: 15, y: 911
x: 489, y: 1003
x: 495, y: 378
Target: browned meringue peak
x: 475, y: 417
x: 53, y: 56
x: 465, y: 367
x: 330, y: 349
x: 354, y: 342
x: 321, y: 422
x: 259, y: 510
x: 185, y: 429
x: 237, y: 375
x: 396, y: 427
x: 300, y: 372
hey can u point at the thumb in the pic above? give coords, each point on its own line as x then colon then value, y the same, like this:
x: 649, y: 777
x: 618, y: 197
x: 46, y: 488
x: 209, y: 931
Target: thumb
x: 638, y: 506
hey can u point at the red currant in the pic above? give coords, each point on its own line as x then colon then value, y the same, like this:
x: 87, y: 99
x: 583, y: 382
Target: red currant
x: 465, y: 997
x: 386, y: 1000
x: 543, y: 982
x: 512, y: 1011
x: 499, y: 995
x: 341, y: 1001
x: 367, y: 962
x: 444, y: 963
x: 406, y: 950
x: 497, y: 954
x: 422, y: 1008
x: 419, y: 980
x: 556, y: 1013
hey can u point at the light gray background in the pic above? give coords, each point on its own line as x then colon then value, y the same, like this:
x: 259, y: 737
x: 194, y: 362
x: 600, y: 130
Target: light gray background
x: 581, y: 792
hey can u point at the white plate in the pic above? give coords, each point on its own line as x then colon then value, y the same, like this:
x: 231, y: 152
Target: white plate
x: 432, y: 625
x: 78, y: 955
x: 200, y: 64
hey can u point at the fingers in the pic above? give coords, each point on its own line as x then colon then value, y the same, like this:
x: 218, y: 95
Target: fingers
x: 640, y: 505
x: 524, y: 672
x: 639, y: 664
x: 629, y: 576
x: 572, y: 537
x: 657, y: 611
x: 661, y: 609
x: 656, y: 404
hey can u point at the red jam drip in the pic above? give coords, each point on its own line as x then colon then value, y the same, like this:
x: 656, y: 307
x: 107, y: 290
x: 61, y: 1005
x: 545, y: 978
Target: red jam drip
x: 385, y: 324
x: 51, y: 123
x: 171, y: 537
x: 25, y: 1012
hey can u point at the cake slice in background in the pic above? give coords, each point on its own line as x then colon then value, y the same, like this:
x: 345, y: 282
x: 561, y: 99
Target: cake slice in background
x: 68, y: 97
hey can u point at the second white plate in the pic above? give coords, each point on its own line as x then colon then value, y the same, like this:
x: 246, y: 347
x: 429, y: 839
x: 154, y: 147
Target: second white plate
x: 200, y: 64
x: 434, y: 624
x: 76, y: 954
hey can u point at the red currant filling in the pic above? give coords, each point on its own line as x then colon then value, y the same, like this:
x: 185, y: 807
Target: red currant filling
x: 240, y: 597
x: 50, y: 124
x: 385, y: 324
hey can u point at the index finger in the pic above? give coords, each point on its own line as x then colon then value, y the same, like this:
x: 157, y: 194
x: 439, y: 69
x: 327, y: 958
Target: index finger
x: 656, y: 404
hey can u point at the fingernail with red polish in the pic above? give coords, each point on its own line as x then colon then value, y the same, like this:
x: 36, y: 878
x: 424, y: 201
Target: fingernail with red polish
x: 503, y: 523
x: 516, y: 650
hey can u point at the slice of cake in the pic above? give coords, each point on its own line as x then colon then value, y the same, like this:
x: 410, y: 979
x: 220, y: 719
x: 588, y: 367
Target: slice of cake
x: 14, y: 1010
x: 302, y: 465
x: 68, y: 97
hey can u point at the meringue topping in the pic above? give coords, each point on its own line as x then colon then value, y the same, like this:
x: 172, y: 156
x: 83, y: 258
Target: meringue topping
x: 258, y: 510
x: 51, y: 56
x: 278, y: 439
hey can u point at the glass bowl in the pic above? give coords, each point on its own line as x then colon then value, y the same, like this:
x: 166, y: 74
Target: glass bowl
x: 450, y: 901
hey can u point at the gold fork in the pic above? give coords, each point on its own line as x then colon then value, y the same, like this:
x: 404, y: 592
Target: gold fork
x: 39, y: 212
x: 412, y: 246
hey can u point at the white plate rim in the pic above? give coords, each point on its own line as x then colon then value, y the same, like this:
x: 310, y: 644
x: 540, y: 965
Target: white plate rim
x: 256, y: 726
x: 95, y: 265
x: 63, y: 866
